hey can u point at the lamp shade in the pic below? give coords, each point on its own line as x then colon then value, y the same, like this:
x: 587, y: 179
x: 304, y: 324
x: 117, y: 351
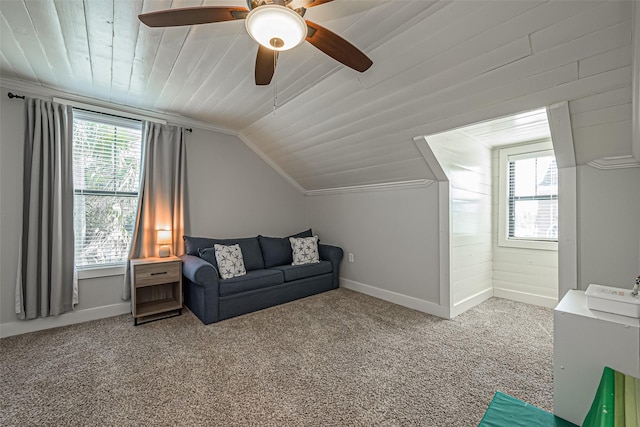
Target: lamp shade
x: 164, y: 237
x: 276, y: 27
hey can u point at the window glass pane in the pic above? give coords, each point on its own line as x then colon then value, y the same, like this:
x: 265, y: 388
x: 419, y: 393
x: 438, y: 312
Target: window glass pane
x: 523, y: 180
x: 536, y: 219
x: 106, y: 157
x: 106, y: 172
x: 104, y: 226
x: 533, y: 202
x: 535, y: 177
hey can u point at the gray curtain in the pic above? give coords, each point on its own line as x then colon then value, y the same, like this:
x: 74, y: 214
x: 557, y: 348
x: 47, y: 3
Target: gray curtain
x: 162, y: 189
x: 46, y: 284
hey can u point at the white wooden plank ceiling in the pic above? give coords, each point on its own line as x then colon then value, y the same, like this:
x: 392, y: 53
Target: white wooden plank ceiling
x: 438, y: 65
x: 520, y: 128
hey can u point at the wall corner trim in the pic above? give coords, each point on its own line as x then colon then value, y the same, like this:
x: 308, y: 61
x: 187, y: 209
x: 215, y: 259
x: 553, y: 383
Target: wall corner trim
x: 525, y: 297
x: 444, y: 222
x: 472, y: 301
x: 396, y: 298
x: 400, y: 185
x: 422, y: 144
x: 561, y: 134
x: 559, y: 118
x: 80, y: 316
x: 617, y: 162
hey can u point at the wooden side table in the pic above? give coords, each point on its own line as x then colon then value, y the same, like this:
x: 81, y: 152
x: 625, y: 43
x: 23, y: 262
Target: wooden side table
x: 156, y: 287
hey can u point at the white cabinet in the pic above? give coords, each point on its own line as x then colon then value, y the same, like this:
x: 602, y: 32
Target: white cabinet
x: 585, y: 341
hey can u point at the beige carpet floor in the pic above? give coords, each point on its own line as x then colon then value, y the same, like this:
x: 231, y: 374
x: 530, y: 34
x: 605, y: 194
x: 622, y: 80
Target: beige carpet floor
x: 335, y: 359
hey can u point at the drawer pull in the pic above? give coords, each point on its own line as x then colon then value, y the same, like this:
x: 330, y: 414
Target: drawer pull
x: 157, y: 274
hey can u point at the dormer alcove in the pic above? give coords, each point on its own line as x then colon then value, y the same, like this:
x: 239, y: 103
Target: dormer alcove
x: 476, y: 260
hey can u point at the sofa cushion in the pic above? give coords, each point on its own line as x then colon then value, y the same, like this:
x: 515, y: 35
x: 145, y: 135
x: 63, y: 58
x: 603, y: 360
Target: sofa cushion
x: 256, y: 279
x: 209, y: 255
x: 295, y: 272
x: 249, y: 245
x: 277, y: 250
x: 305, y: 250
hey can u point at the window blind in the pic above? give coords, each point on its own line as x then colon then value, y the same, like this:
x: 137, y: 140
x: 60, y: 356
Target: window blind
x: 533, y: 197
x: 106, y: 174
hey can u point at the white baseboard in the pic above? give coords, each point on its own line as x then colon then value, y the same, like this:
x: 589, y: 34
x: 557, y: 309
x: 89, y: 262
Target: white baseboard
x: 525, y: 297
x: 472, y: 301
x: 80, y: 316
x: 396, y: 298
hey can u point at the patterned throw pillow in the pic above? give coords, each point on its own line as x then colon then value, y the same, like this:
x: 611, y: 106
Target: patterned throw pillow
x: 305, y: 250
x: 230, y: 261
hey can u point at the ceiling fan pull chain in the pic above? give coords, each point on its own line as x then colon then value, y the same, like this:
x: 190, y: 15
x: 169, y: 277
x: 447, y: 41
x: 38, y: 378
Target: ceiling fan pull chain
x: 275, y: 83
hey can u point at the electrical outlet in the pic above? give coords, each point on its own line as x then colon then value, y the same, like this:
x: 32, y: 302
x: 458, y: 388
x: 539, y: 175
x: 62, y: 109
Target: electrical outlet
x: 351, y: 259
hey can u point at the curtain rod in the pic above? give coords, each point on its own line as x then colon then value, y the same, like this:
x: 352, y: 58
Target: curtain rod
x: 13, y: 95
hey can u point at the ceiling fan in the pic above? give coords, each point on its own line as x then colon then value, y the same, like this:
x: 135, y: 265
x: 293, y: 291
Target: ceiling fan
x: 276, y: 25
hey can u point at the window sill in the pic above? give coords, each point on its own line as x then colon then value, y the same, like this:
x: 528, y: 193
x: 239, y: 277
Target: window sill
x: 97, y: 272
x: 528, y: 244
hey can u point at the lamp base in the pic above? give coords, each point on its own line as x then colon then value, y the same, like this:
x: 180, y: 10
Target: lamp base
x: 164, y: 251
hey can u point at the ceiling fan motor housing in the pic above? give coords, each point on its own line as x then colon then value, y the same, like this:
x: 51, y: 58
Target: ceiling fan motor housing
x: 276, y: 27
x: 252, y: 4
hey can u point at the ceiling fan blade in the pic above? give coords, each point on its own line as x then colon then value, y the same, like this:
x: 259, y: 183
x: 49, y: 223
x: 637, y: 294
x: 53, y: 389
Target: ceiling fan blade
x: 337, y: 47
x: 266, y: 60
x: 192, y: 16
x: 297, y: 4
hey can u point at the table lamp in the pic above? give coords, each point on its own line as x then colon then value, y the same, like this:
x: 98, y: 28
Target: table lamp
x: 164, y: 240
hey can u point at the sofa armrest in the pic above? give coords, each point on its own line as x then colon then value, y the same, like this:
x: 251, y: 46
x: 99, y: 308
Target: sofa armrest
x: 198, y: 271
x: 330, y: 253
x: 333, y: 254
x: 200, y: 287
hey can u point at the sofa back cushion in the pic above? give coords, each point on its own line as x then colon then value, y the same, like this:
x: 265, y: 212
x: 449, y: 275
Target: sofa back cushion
x: 277, y: 250
x: 249, y: 246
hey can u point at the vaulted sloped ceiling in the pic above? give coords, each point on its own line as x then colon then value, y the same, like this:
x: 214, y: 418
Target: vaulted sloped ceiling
x: 438, y: 65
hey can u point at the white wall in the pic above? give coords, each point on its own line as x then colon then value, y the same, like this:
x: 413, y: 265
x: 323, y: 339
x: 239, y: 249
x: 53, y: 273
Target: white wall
x: 230, y: 191
x: 470, y: 178
x: 467, y: 165
x: 526, y: 275
x: 393, y: 235
x: 233, y: 193
x: 608, y: 226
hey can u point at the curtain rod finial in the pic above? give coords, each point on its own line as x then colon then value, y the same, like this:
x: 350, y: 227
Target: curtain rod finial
x: 12, y: 95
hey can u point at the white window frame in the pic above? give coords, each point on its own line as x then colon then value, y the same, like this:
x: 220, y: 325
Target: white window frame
x: 110, y: 117
x: 100, y: 271
x: 535, y: 149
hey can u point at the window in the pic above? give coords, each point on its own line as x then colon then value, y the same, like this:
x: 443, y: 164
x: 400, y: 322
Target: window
x: 529, y: 197
x: 106, y: 175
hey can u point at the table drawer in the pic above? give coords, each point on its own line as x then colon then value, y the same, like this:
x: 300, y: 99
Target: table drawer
x: 154, y: 274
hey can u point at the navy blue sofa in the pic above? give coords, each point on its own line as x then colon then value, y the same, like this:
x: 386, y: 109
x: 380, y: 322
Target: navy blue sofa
x: 270, y: 278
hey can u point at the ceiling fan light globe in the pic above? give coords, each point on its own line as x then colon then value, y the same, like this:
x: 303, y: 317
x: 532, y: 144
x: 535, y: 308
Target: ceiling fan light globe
x: 269, y: 22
